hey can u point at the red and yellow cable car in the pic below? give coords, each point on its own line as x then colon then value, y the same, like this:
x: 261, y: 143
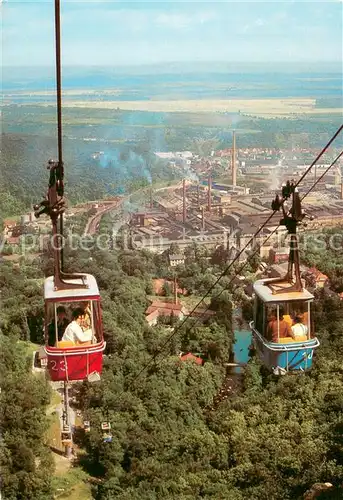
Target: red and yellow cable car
x: 74, y: 342
x: 69, y: 358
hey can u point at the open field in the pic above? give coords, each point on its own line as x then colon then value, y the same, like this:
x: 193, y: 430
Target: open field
x: 70, y: 483
x: 256, y: 107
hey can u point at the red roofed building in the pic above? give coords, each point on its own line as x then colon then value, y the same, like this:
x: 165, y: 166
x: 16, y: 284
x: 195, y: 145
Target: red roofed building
x: 320, y: 278
x: 9, y: 224
x: 190, y: 357
x: 152, y: 317
x: 166, y: 309
x: 158, y: 286
x: 277, y: 255
x: 224, y: 152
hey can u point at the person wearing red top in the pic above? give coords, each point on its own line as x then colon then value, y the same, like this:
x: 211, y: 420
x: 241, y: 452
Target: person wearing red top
x: 278, y: 329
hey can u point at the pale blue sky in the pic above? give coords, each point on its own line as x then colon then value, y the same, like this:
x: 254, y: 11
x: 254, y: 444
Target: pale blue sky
x: 129, y: 33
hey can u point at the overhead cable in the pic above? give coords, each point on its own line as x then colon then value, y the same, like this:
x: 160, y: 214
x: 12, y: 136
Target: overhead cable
x: 248, y: 244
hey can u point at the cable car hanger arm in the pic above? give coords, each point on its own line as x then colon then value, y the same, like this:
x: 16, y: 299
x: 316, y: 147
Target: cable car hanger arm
x: 54, y: 202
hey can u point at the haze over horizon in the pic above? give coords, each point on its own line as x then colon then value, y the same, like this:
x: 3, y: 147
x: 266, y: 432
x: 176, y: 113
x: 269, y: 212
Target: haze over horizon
x: 148, y: 33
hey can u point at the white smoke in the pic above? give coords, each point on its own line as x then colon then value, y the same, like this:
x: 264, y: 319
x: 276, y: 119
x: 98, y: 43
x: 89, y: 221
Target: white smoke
x: 274, y: 180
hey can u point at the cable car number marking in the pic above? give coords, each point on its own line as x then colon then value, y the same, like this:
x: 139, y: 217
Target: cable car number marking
x: 60, y: 367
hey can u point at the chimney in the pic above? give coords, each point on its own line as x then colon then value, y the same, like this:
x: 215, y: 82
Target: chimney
x: 175, y: 290
x: 203, y: 218
x: 184, y: 208
x: 341, y: 190
x: 209, y: 193
x: 198, y: 194
x: 233, y: 159
x: 151, y: 198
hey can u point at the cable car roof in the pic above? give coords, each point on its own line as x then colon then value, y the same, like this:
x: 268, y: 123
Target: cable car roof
x: 92, y: 290
x: 265, y: 292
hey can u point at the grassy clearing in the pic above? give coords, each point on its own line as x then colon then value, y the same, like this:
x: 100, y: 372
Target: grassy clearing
x: 53, y: 435
x: 69, y: 483
x: 290, y: 107
x: 72, y: 485
x: 29, y: 347
x: 191, y: 301
x: 56, y: 399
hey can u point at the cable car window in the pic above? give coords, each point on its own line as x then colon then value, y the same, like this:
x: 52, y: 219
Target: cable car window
x: 259, y: 315
x: 57, y: 322
x: 271, y: 314
x: 49, y: 318
x: 301, y: 317
x: 310, y: 321
x: 87, y: 320
x: 278, y: 322
x: 60, y: 314
x: 97, y: 320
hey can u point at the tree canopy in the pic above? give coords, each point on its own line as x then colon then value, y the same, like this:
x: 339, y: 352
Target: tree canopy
x: 272, y: 438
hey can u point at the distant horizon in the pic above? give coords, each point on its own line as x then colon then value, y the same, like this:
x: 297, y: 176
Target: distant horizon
x: 138, y: 33
x: 188, y: 66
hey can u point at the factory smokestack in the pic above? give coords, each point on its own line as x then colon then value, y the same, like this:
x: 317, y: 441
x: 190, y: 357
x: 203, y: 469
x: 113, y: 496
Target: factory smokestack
x: 203, y: 218
x: 233, y: 160
x: 198, y: 194
x: 151, y: 198
x: 184, y: 209
x: 175, y: 290
x: 209, y: 193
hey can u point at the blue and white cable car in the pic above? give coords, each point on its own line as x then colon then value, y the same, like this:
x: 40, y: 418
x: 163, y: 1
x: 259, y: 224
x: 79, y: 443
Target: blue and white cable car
x: 283, y: 328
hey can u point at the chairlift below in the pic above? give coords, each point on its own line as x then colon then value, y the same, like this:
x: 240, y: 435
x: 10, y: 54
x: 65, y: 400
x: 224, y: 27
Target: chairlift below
x: 107, y: 438
x: 66, y: 436
x: 106, y: 428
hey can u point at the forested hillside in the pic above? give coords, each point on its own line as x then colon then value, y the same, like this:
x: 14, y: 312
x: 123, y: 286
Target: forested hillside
x: 24, y: 177
x: 127, y: 141
x: 271, y: 440
x: 26, y: 462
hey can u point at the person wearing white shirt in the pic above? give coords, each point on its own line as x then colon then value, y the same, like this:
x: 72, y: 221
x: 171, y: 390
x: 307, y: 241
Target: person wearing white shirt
x: 299, y: 329
x: 74, y: 332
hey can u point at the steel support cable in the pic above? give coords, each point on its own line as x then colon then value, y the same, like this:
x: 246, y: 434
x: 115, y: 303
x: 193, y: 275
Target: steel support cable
x: 178, y: 328
x: 59, y: 105
x: 58, y: 78
x: 323, y: 175
x: 333, y: 138
x: 244, y: 265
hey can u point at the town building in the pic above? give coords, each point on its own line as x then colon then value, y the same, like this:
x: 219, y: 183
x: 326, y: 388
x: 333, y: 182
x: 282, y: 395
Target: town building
x: 176, y: 260
x: 164, y: 309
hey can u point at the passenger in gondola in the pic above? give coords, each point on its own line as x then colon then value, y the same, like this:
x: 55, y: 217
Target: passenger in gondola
x: 86, y: 322
x: 74, y: 332
x: 278, y: 329
x: 62, y: 323
x: 299, y: 329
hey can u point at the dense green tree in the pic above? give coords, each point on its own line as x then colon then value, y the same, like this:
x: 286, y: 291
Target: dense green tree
x: 26, y: 463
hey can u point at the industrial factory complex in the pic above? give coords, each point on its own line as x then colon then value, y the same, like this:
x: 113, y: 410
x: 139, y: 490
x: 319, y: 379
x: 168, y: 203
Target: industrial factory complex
x: 200, y: 210
x: 223, y: 199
